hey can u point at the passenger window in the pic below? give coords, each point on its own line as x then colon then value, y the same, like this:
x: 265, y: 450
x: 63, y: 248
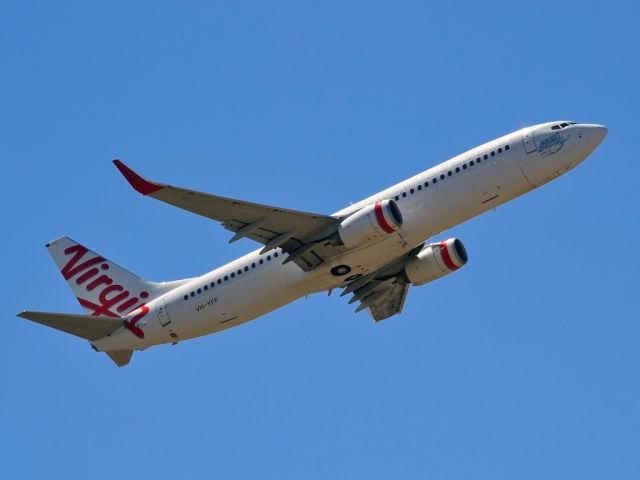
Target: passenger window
x: 268, y: 258
x: 186, y: 297
x: 500, y: 150
x: 471, y: 163
x: 253, y: 265
x: 233, y: 274
x: 441, y: 177
x: 419, y: 187
x: 213, y: 284
x: 450, y: 173
x: 193, y: 294
x: 246, y: 269
x: 435, y: 180
x: 219, y: 281
x: 426, y: 184
x: 261, y: 261
x: 506, y: 147
x: 457, y: 169
x: 412, y: 191
x: 464, y: 166
x: 206, y: 287
x: 226, y: 278
x: 486, y: 156
x: 493, y: 154
x: 397, y: 197
x: 275, y: 255
x: 199, y: 291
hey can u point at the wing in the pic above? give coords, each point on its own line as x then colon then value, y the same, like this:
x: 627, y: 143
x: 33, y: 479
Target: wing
x: 384, y: 291
x: 391, y: 304
x: 304, y: 236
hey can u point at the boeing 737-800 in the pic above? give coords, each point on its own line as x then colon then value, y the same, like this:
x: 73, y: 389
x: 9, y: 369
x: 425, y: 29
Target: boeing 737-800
x: 374, y: 249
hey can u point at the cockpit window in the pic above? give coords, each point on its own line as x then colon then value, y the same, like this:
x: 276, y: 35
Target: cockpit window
x: 560, y: 126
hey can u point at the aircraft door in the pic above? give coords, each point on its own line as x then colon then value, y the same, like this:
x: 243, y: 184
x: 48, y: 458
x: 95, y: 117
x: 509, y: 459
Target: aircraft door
x: 162, y: 314
x: 529, y: 141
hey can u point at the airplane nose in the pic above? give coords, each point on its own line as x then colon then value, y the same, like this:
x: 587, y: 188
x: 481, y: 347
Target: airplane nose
x: 595, y: 133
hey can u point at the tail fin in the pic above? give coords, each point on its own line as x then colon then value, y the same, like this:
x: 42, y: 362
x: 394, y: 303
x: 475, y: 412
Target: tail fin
x: 101, y: 286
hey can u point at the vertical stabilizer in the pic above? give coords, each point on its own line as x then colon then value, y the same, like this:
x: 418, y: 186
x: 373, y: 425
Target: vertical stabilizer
x: 101, y: 286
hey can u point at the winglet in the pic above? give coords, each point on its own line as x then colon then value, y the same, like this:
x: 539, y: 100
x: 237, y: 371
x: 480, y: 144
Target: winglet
x: 139, y: 183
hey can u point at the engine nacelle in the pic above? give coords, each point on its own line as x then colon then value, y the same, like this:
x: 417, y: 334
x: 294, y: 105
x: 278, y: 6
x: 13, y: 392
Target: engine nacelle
x: 436, y: 260
x: 370, y: 224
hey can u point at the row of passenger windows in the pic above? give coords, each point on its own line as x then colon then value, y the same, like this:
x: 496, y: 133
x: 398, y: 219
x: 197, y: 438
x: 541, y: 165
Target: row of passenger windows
x: 232, y: 275
x: 458, y: 169
x: 239, y: 272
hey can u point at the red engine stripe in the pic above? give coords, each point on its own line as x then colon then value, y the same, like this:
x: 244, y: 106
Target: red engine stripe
x: 446, y: 256
x: 381, y: 220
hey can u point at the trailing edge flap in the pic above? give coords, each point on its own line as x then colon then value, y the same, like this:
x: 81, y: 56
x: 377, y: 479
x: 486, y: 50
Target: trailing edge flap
x: 84, y: 326
x: 384, y: 291
x: 390, y: 303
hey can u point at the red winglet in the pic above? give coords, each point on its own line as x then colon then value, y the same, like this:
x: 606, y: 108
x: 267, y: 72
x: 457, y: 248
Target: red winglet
x: 141, y: 184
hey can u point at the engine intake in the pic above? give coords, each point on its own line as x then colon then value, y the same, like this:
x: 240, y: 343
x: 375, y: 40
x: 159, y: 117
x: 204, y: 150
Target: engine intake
x: 436, y: 260
x: 370, y: 224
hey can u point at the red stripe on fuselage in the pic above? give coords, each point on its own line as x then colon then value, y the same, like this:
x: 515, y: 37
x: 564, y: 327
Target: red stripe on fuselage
x: 381, y: 220
x: 446, y: 256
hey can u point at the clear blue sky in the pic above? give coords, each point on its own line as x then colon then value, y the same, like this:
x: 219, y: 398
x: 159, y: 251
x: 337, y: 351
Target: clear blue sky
x: 525, y: 364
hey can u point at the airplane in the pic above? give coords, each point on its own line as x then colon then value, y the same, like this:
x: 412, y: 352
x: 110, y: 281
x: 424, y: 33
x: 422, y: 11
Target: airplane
x: 374, y: 249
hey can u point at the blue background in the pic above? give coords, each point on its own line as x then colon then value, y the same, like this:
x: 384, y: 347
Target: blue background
x: 524, y: 364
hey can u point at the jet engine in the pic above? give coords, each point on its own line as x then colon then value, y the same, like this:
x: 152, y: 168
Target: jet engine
x: 436, y: 260
x: 370, y: 224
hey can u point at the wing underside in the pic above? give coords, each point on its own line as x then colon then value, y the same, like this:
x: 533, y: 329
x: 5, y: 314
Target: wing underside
x: 384, y: 291
x: 391, y: 304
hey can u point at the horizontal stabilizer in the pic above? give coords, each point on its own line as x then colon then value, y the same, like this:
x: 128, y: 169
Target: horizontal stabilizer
x: 120, y: 357
x: 88, y: 327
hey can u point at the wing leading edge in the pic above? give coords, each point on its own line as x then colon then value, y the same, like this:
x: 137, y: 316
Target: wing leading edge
x: 303, y: 235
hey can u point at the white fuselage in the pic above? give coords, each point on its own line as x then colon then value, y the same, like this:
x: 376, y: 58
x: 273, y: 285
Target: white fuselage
x: 430, y: 202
